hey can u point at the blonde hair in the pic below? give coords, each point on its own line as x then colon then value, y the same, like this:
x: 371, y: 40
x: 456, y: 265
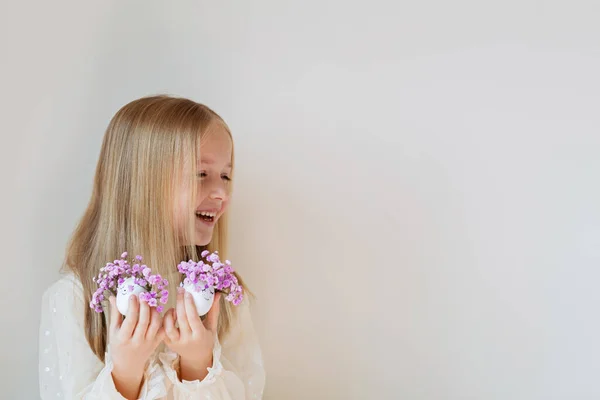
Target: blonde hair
x: 149, y: 151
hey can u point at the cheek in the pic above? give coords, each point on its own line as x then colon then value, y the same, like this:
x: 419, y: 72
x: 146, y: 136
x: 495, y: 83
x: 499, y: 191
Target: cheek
x: 182, y: 203
x: 181, y: 217
x: 180, y: 210
x: 225, y: 205
x: 200, y: 197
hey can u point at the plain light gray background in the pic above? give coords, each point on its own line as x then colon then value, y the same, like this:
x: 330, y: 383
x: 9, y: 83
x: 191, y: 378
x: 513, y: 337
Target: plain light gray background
x: 417, y: 203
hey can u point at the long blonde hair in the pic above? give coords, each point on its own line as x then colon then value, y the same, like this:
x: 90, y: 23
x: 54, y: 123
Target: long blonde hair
x: 149, y: 150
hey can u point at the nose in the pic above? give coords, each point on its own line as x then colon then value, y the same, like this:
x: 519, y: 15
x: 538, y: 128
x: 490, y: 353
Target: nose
x: 218, y: 192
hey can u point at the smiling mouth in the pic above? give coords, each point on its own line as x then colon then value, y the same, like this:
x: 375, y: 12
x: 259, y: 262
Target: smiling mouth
x: 206, y: 216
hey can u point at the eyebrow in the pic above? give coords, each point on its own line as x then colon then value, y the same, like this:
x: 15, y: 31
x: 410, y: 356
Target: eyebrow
x: 212, y: 162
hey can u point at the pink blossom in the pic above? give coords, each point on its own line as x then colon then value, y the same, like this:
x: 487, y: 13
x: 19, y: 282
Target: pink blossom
x: 212, y: 272
x: 114, y: 274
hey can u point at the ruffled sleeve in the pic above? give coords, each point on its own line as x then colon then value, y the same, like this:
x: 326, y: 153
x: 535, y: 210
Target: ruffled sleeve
x: 68, y: 368
x: 237, y: 372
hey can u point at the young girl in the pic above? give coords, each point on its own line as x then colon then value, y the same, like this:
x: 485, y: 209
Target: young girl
x: 161, y: 190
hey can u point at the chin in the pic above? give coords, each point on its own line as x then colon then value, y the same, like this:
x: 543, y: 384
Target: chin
x: 203, y: 239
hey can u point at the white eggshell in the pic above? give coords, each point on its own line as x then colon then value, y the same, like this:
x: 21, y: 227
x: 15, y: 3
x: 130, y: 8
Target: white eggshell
x: 203, y: 299
x: 123, y: 294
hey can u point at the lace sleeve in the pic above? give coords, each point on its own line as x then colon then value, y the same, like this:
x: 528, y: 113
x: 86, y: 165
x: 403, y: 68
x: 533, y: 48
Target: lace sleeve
x: 68, y: 368
x: 237, y: 372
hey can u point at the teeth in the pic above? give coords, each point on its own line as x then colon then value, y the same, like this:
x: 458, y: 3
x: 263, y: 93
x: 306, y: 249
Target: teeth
x: 207, y: 214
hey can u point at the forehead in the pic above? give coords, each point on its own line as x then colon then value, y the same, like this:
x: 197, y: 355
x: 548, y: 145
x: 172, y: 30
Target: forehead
x: 216, y: 147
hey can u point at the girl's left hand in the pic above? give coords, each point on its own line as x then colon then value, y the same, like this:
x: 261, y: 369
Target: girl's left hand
x: 194, y: 339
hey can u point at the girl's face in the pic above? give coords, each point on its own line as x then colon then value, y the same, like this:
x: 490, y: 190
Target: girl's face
x: 213, y: 175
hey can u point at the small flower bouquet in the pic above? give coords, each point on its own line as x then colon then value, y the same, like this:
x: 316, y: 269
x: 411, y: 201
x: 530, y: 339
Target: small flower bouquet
x: 123, y: 280
x: 202, y: 278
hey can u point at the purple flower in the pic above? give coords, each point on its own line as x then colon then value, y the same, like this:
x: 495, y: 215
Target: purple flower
x: 113, y: 275
x: 142, y: 282
x: 210, y: 280
x: 211, y: 272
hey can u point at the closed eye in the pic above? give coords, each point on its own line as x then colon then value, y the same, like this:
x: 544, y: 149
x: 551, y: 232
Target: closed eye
x: 203, y: 174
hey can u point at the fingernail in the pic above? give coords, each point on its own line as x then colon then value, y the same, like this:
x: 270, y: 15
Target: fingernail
x: 132, y: 299
x: 187, y: 295
x: 179, y: 289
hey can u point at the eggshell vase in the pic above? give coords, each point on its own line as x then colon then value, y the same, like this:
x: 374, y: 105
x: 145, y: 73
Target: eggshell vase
x: 203, y: 298
x: 123, y: 294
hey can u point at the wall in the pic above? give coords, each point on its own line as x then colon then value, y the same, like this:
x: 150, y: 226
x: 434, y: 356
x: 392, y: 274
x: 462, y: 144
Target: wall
x: 417, y: 199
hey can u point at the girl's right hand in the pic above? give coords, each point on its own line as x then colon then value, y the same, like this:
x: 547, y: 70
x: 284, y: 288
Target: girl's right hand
x: 132, y: 342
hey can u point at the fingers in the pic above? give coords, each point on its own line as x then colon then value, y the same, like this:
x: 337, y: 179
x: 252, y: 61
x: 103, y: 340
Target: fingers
x: 192, y: 314
x: 212, y: 317
x: 160, y: 336
x: 171, y: 331
x: 115, y: 316
x: 184, y: 326
x: 144, y: 320
x: 155, y: 324
x: 132, y: 316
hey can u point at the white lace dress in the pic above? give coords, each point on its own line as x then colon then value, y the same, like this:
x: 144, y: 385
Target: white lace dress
x: 70, y: 370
